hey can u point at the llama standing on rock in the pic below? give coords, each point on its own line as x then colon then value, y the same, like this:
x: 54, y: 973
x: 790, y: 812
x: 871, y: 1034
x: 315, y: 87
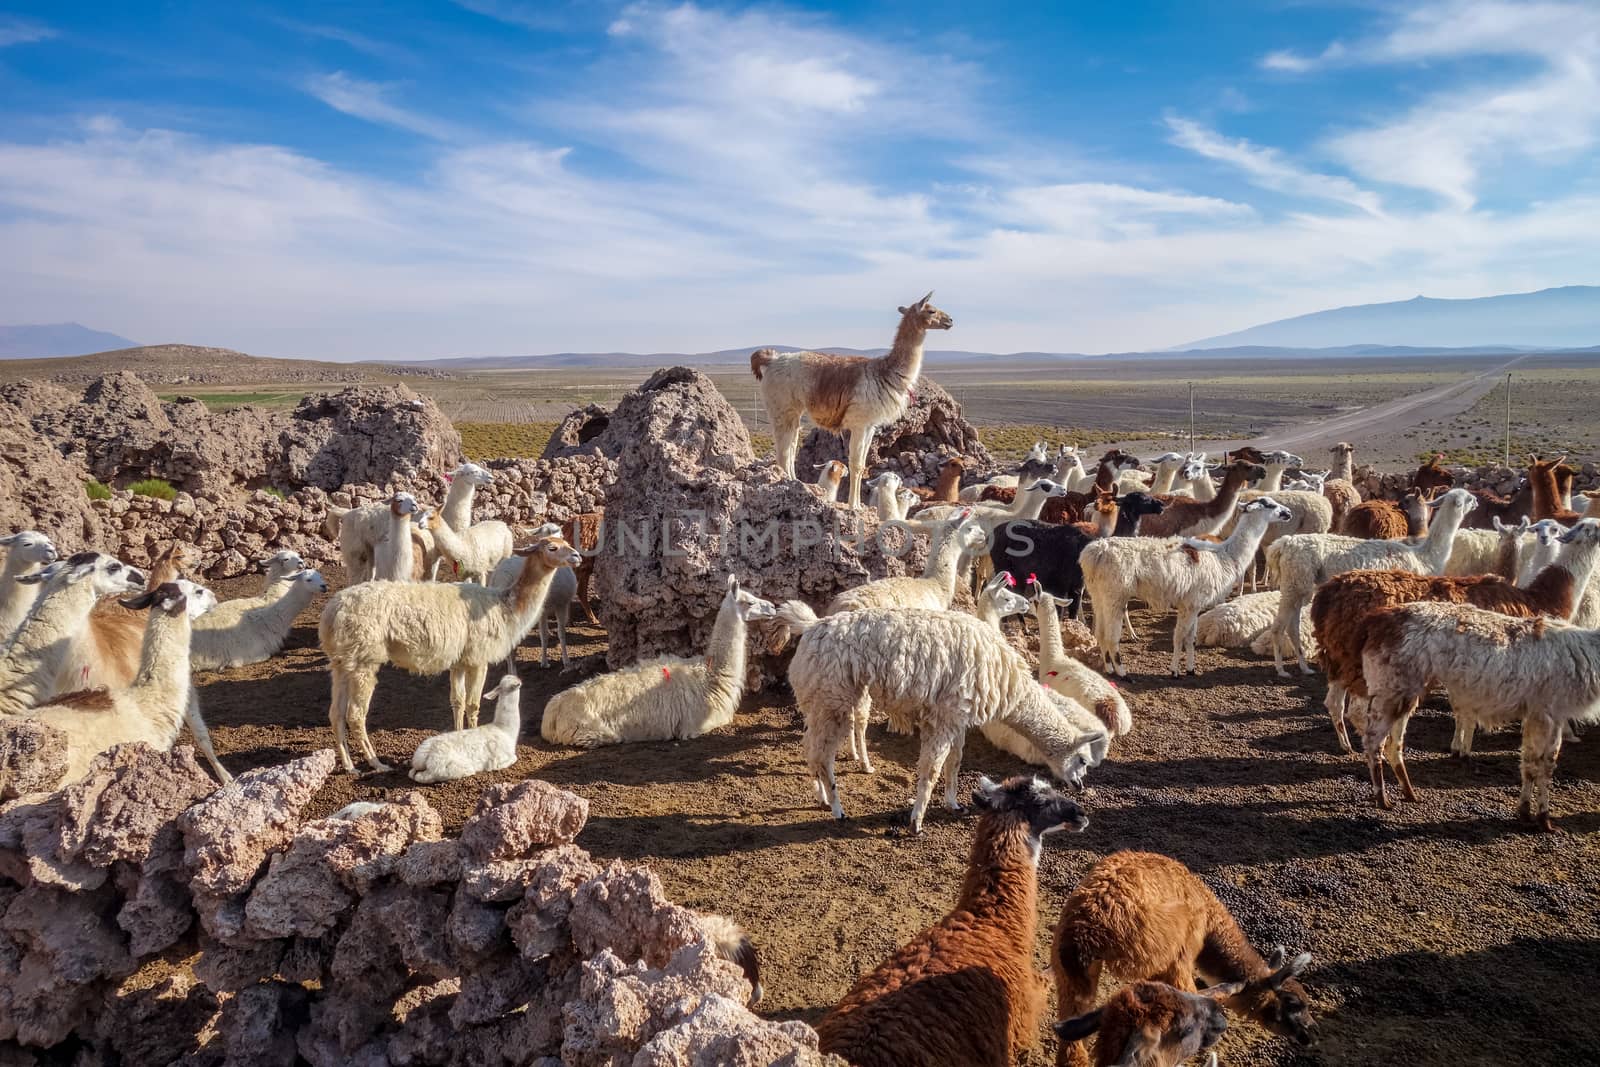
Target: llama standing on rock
x: 463, y: 753
x: 843, y: 393
x: 671, y: 697
x: 152, y: 708
x: 1143, y: 916
x: 26, y: 553
x: 965, y: 991
x: 427, y: 628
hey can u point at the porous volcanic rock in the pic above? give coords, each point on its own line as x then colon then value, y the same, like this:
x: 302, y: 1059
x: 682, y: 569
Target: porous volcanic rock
x: 584, y: 432
x: 39, y: 488
x: 692, y: 504
x: 33, y: 757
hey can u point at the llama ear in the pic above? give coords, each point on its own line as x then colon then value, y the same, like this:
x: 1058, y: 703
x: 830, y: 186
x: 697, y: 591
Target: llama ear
x: 983, y: 796
x: 140, y: 602
x: 1223, y: 990
x: 9, y: 539
x: 1079, y: 1026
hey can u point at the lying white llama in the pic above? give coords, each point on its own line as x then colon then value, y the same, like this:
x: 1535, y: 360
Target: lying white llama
x: 463, y: 753
x: 38, y: 652
x: 475, y: 551
x: 427, y: 628
x: 1170, y: 573
x: 392, y: 557
x: 884, y: 495
x: 662, y: 699
x: 1246, y: 622
x: 26, y: 552
x: 253, y: 629
x: 281, y: 564
x: 1299, y: 563
x: 937, y: 671
x: 844, y: 393
x: 152, y: 708
x: 1070, y: 676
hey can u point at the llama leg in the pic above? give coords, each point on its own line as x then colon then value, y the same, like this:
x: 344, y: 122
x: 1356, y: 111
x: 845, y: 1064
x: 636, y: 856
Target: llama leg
x: 1194, y: 640
x: 1372, y: 738
x: 1397, y: 756
x: 1461, y: 740
x: 952, y: 774
x: 475, y: 673
x: 935, y: 750
x: 202, y: 736
x: 825, y: 732
x: 1180, y: 634
x: 561, y: 634
x: 1127, y: 620
x: 1299, y: 643
x: 860, y: 715
x: 361, y: 686
x: 1280, y: 635
x: 860, y: 444
x: 338, y: 704
x: 458, y: 696
x: 1335, y: 702
x: 544, y: 643
x: 1541, y: 746
x: 786, y: 439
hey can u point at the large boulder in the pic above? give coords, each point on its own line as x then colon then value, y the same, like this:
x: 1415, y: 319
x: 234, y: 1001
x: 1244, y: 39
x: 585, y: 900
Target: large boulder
x: 583, y: 432
x: 932, y: 426
x: 692, y: 504
x: 40, y: 489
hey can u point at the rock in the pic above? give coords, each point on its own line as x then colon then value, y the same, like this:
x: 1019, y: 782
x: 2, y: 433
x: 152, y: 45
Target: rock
x: 583, y: 432
x: 721, y: 1032
x: 127, y: 801
x: 33, y: 757
x: 539, y: 922
x: 430, y: 863
x: 259, y: 1025
x: 691, y: 505
x: 40, y: 488
x: 513, y: 821
x: 229, y: 835
x: 624, y: 911
x: 153, y: 1025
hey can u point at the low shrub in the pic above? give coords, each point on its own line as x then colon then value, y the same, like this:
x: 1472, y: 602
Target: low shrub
x: 159, y: 488
x: 97, y: 489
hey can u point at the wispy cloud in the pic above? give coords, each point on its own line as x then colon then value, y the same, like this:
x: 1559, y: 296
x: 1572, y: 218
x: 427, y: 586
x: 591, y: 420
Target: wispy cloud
x: 1268, y: 168
x: 1294, y: 63
x: 16, y: 30
x: 360, y: 42
x: 370, y: 101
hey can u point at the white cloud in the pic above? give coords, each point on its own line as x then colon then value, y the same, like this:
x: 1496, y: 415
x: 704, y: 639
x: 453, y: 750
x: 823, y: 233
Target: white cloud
x: 15, y: 30
x: 370, y: 101
x: 1294, y: 63
x: 1268, y: 168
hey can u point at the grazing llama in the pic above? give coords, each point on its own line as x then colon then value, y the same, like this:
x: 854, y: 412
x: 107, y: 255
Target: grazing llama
x: 1152, y: 1024
x: 1142, y: 916
x: 965, y: 991
x: 845, y: 393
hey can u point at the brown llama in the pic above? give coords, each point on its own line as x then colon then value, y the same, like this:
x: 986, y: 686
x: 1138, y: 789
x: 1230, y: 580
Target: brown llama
x: 1388, y: 520
x: 583, y: 533
x: 1432, y: 475
x: 845, y: 393
x: 1151, y: 1024
x: 1186, y: 515
x: 947, y: 490
x: 1142, y: 916
x: 1344, y: 603
x: 965, y: 991
x: 1545, y: 484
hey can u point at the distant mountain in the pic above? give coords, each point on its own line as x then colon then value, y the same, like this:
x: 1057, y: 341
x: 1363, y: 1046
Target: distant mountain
x: 721, y: 357
x: 60, y: 339
x: 1563, y: 318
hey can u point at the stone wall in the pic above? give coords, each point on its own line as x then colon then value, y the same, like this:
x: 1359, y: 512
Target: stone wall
x: 1498, y: 479
x: 148, y: 917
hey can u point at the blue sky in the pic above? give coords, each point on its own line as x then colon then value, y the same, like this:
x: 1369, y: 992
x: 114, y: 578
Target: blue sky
x: 405, y: 180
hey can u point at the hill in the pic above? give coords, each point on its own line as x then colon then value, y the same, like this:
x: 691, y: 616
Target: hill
x: 199, y: 365
x: 58, y: 339
x: 1564, y: 318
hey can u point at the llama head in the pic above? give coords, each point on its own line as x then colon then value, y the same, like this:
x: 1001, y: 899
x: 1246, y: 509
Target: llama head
x: 174, y: 597
x: 1432, y: 476
x: 402, y: 504
x: 747, y: 604
x: 925, y: 315
x: 1139, y: 503
x: 29, y: 546
x: 1457, y: 501
x: 1047, y: 487
x: 889, y: 480
x: 999, y: 593
x: 831, y: 473
x: 1194, y: 467
x: 471, y: 473
x: 552, y: 549
x: 1516, y: 532
x: 1275, y: 512
x: 1276, y: 999
x: 1152, y: 1022
x: 510, y: 685
x: 1167, y: 459
x: 1343, y: 449
x: 1031, y: 800
x: 284, y: 561
x: 1583, y: 532
x: 313, y: 579
x: 1244, y: 470
x: 107, y: 575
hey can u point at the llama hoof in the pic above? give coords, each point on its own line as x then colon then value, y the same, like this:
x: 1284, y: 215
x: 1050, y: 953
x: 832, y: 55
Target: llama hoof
x: 1547, y: 825
x: 1307, y: 670
x: 1385, y: 803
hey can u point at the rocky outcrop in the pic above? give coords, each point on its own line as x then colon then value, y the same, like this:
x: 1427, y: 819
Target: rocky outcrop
x: 914, y: 445
x: 584, y: 432
x: 367, y: 941
x: 691, y: 504
x: 39, y: 488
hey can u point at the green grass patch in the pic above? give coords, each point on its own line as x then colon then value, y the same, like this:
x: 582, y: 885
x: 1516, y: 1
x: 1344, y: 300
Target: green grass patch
x: 504, y: 440
x: 97, y: 490
x: 273, y: 490
x: 159, y: 488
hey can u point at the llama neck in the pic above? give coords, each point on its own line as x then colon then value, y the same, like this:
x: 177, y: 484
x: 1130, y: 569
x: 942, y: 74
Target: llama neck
x: 1002, y: 882
x: 508, y: 714
x: 1166, y: 474
x: 1069, y: 471
x: 54, y: 613
x: 448, y: 540
x: 725, y: 656
x: 163, y: 679
x: 1240, y: 547
x: 1226, y: 955
x: 15, y: 567
x: 1416, y: 520
x: 1435, y: 548
x: 1578, y: 562
x: 1345, y: 468
x: 949, y: 484
x: 15, y: 597
x: 1228, y: 497
x: 456, y: 510
x: 1105, y: 521
x: 942, y: 566
x: 1050, y: 650
x: 1273, y: 481
x: 1203, y: 488
x: 1546, y: 497
x: 1028, y: 505
x: 526, y: 596
x: 1105, y: 478
x: 1508, y: 556
x: 400, y: 534
x: 900, y: 367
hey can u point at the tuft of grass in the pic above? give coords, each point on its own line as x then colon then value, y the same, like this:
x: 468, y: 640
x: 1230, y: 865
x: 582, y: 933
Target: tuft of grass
x: 97, y: 490
x: 159, y: 488
x: 761, y: 444
x: 504, y: 440
x: 273, y: 490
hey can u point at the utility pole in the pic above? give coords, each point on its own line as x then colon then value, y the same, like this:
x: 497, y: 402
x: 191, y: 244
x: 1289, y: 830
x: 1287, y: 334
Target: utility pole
x: 1191, y: 416
x: 1508, y: 418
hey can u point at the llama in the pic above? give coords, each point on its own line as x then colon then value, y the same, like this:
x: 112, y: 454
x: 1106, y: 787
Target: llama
x: 1070, y: 471
x: 845, y: 393
x: 947, y: 487
x: 427, y: 628
x: 1185, y: 516
x: 1340, y: 610
x: 1067, y: 675
x: 1194, y: 479
x: 1547, y: 500
x: 1052, y: 553
x: 1506, y: 508
x: 281, y: 564
x: 392, y: 556
x: 557, y: 600
x: 884, y: 495
x: 1432, y: 475
x: 475, y: 551
x: 965, y: 991
x: 40, y: 650
x: 1143, y: 916
x: 252, y: 629
x: 26, y: 552
x: 662, y: 699
x: 1386, y: 520
x: 1545, y: 547
x: 1187, y: 575
x: 1165, y: 474
x: 829, y: 475
x: 1301, y: 562
x: 937, y: 586
x: 1498, y: 670
x: 1246, y: 622
x: 1310, y: 513
x: 1340, y: 487
x: 938, y: 671
x: 463, y: 753
x: 153, y: 706
x: 996, y: 602
x: 1152, y: 1024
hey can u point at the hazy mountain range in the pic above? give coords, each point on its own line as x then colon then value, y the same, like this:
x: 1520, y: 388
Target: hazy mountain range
x: 1563, y: 319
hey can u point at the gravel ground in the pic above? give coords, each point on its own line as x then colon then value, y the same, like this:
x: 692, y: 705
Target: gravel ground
x: 1442, y: 933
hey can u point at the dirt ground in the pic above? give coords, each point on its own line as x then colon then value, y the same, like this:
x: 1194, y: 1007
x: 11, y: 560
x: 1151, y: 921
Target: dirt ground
x: 1442, y: 933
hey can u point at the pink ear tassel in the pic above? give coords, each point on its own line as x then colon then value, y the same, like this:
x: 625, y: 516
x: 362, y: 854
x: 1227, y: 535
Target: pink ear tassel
x: 1011, y: 580
x: 1033, y: 579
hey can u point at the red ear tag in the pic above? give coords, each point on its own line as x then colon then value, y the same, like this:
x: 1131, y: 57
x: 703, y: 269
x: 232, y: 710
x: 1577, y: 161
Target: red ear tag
x: 1113, y: 684
x: 911, y: 395
x: 665, y: 673
x: 1011, y: 580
